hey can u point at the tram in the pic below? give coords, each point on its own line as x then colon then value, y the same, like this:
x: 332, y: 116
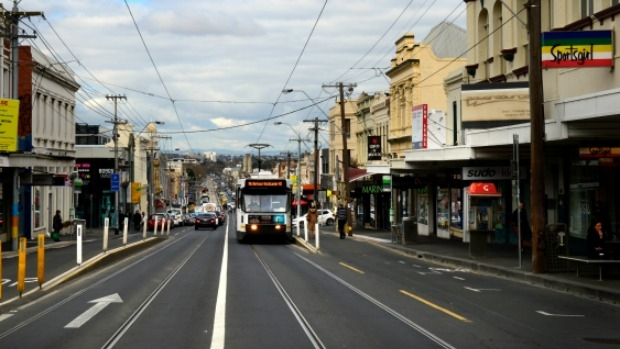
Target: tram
x: 263, y: 208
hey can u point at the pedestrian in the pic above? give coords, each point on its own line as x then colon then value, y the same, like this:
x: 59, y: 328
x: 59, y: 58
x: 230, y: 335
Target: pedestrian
x: 525, y: 234
x: 57, y: 226
x: 341, y: 214
x: 311, y: 219
x: 596, y: 241
x: 137, y: 220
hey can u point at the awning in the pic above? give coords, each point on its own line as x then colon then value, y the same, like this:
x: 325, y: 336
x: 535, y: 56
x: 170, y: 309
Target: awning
x: 483, y: 189
x: 356, y: 173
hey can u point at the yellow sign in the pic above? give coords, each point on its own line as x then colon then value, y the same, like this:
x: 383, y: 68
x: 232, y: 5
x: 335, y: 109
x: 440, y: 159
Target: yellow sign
x: 9, y: 117
x: 136, y: 192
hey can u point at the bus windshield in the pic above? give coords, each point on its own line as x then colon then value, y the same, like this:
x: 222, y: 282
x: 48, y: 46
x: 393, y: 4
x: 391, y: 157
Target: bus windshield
x: 265, y: 203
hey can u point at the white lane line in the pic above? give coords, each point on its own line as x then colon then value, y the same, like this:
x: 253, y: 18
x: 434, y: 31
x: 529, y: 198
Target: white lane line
x: 482, y: 289
x: 558, y: 315
x: 219, y: 322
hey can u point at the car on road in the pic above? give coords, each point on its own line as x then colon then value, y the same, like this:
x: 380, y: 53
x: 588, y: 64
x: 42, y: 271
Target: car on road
x: 189, y: 218
x: 325, y: 217
x: 205, y: 220
x: 176, y: 216
x: 221, y: 217
x: 162, y: 221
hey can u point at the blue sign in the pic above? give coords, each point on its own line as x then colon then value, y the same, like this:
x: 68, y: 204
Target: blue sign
x: 115, y: 182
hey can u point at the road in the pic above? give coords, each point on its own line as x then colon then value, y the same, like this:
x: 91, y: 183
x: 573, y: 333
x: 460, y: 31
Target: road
x: 202, y: 289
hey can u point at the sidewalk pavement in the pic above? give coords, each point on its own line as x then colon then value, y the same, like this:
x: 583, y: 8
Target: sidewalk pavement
x: 503, y: 261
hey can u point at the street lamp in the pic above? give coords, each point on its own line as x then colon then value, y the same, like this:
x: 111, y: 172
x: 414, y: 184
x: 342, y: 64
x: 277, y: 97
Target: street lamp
x: 259, y: 146
x: 298, y: 194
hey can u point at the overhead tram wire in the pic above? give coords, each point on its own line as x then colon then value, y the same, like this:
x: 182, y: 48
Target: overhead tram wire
x: 290, y: 76
x: 176, y: 112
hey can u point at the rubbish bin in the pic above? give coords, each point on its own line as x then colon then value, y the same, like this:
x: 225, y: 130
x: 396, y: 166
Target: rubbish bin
x: 410, y: 231
x: 478, y: 243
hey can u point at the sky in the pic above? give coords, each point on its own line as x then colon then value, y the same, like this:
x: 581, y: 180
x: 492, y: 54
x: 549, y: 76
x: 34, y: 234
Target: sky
x: 213, y: 71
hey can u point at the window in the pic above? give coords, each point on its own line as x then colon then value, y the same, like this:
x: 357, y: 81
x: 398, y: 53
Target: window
x: 347, y: 127
x: 587, y: 8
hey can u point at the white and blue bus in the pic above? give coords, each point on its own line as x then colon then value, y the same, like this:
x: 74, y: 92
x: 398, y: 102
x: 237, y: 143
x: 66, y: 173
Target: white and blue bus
x: 263, y: 208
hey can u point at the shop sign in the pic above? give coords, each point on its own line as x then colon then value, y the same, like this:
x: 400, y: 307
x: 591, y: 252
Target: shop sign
x: 577, y: 49
x: 489, y: 173
x: 599, y: 152
x: 374, y: 147
x: 372, y: 189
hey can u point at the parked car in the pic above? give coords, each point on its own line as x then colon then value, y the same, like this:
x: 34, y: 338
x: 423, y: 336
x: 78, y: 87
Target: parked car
x: 176, y: 216
x: 325, y: 217
x: 205, y: 220
x: 162, y: 221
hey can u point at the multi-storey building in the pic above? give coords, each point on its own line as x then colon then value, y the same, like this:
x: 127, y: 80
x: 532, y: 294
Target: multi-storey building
x: 34, y: 172
x: 489, y: 103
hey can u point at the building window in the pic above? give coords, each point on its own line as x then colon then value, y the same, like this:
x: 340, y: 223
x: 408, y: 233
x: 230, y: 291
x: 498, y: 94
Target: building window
x: 347, y: 127
x: 587, y: 8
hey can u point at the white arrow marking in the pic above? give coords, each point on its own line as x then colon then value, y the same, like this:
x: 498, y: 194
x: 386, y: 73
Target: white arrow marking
x: 481, y: 289
x: 558, y: 315
x: 99, y: 305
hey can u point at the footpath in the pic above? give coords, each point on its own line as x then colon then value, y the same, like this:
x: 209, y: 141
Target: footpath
x: 503, y: 261
x: 499, y: 260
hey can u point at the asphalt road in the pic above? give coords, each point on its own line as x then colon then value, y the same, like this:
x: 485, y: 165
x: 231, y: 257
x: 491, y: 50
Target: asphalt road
x: 200, y: 289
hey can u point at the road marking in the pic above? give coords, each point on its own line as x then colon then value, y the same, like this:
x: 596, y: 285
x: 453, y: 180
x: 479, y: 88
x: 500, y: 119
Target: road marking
x: 558, y: 315
x: 352, y: 268
x: 458, y: 278
x: 99, y: 305
x: 482, y: 289
x: 435, y: 306
x: 5, y: 316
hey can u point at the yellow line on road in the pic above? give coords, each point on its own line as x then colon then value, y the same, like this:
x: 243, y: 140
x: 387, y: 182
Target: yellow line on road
x: 350, y: 267
x: 432, y: 305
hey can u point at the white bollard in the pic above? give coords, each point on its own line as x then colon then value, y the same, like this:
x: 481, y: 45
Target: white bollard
x: 106, y: 228
x: 145, y: 224
x: 316, y: 235
x: 125, y: 223
x: 78, y: 238
x: 156, y: 226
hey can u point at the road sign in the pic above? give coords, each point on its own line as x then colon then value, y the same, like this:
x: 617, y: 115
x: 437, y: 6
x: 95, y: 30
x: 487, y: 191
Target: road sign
x: 115, y: 182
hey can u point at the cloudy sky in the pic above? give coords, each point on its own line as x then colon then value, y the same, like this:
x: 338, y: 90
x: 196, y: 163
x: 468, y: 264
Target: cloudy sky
x: 214, y: 70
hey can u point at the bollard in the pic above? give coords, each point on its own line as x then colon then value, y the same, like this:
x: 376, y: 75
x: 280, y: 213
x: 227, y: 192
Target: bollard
x: 41, y: 259
x: 21, y: 265
x: 125, y: 226
x: 78, y: 250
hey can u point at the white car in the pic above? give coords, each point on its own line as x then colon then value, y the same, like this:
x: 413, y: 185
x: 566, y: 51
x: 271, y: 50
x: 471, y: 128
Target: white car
x: 177, y: 217
x: 325, y: 217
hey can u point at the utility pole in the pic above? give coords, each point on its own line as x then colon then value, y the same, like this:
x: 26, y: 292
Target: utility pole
x: 537, y: 130
x: 345, y: 152
x: 12, y: 18
x: 115, y: 98
x: 315, y: 179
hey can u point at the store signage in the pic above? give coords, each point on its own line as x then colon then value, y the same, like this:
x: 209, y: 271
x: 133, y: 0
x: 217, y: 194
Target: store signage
x: 9, y: 119
x: 489, y: 173
x: 419, y: 127
x: 577, y: 49
x: 374, y: 147
x: 599, y: 152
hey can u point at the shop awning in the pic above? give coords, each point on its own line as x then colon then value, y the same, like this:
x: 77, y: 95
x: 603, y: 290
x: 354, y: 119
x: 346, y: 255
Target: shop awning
x: 483, y: 189
x: 356, y: 173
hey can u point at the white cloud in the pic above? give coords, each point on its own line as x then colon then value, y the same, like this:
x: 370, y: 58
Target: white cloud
x: 219, y: 64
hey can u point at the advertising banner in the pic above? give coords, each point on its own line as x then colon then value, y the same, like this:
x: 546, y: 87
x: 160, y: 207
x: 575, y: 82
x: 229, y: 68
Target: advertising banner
x: 9, y: 119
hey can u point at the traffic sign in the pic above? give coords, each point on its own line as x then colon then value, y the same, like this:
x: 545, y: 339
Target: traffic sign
x: 115, y: 182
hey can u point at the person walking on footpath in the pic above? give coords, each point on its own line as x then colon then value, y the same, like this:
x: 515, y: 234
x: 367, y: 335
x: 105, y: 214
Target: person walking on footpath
x: 341, y: 214
x: 57, y: 226
x: 137, y: 220
x: 311, y: 218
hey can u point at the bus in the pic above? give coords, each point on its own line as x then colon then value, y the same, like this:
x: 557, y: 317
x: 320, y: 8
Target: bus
x: 263, y: 208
